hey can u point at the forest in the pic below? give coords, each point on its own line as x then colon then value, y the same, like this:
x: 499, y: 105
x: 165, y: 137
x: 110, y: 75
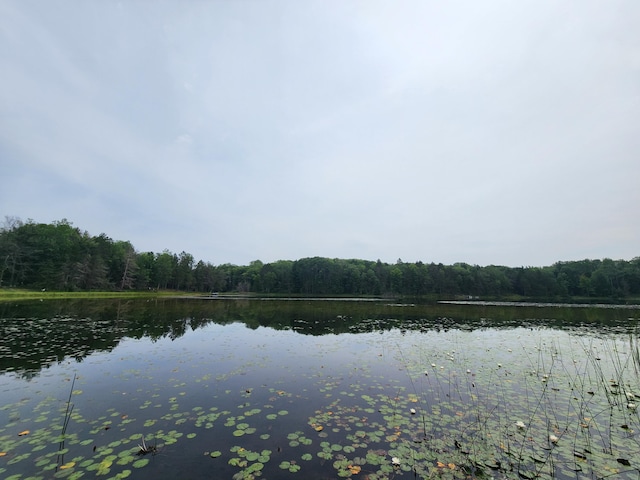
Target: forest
x: 59, y: 256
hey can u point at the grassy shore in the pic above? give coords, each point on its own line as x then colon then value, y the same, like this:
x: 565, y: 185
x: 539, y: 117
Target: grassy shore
x: 12, y: 294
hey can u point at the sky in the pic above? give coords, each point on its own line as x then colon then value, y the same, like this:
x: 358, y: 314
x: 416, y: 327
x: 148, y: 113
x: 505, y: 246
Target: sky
x: 491, y: 133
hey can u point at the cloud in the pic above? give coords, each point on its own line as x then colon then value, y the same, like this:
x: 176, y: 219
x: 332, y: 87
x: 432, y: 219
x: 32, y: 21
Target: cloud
x: 486, y: 133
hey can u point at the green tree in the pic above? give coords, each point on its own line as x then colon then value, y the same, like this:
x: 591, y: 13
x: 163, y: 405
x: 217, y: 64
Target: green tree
x: 184, y: 271
x: 145, y: 263
x: 396, y: 280
x: 10, y: 252
x: 124, y: 265
x: 163, y: 269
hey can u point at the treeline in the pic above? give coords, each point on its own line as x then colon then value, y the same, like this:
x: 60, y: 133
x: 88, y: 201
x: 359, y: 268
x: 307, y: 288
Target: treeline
x: 59, y: 256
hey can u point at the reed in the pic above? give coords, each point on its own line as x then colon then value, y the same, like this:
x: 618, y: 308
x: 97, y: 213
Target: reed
x: 65, y: 424
x: 574, y: 412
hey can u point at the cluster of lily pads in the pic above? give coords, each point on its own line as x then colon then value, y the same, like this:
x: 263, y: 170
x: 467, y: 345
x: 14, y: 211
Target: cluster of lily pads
x: 426, y: 404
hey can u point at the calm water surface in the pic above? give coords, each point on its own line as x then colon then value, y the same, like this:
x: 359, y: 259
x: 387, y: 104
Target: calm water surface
x: 271, y: 389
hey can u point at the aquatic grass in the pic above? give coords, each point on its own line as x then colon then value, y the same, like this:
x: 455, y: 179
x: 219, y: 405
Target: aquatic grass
x: 561, y: 424
x: 634, y: 348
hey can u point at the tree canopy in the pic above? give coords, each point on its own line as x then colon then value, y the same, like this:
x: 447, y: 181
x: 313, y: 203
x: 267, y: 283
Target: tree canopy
x: 59, y: 256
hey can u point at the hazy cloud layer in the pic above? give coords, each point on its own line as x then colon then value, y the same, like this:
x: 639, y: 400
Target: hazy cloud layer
x: 486, y: 132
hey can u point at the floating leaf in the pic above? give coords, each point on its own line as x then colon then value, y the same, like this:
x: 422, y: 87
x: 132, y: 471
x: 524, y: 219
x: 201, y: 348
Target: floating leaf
x: 256, y: 467
x: 103, y: 468
x: 19, y: 458
x: 23, y: 433
x: 215, y: 454
x: 140, y: 463
x: 252, y: 456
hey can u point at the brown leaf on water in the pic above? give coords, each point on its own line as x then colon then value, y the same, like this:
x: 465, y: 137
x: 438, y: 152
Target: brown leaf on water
x: 451, y: 466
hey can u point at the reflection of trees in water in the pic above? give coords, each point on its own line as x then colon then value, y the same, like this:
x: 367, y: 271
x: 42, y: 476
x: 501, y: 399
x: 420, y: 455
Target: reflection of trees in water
x: 36, y: 335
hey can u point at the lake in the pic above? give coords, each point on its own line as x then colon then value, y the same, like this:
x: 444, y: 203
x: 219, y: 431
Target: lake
x: 317, y: 389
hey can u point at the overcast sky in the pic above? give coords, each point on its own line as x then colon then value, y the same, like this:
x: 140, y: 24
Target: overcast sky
x: 486, y: 132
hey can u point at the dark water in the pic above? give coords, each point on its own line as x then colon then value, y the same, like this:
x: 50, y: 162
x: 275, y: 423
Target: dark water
x: 316, y: 389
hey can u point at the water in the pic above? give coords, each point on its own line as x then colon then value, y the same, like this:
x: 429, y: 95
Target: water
x: 308, y: 389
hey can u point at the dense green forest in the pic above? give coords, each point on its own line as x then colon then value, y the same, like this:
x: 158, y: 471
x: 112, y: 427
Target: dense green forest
x: 59, y: 256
